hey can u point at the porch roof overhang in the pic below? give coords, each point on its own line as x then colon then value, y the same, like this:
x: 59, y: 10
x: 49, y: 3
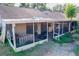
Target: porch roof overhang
x: 31, y: 20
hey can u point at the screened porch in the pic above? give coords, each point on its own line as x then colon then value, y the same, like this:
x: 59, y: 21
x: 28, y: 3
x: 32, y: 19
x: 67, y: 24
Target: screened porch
x: 24, y: 34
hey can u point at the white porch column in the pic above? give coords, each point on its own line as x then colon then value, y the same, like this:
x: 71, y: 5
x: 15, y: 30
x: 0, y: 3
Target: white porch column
x: 13, y: 30
x: 39, y: 28
x: 53, y: 29
x: 3, y: 31
x: 62, y: 27
x: 33, y: 33
x: 69, y: 26
x: 58, y: 30
x: 47, y: 31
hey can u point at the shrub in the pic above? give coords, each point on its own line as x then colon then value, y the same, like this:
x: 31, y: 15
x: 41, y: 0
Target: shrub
x: 75, y: 37
x: 66, y: 38
x: 76, y: 50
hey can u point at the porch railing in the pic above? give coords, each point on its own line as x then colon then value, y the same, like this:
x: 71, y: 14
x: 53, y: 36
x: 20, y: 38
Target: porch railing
x: 23, y: 39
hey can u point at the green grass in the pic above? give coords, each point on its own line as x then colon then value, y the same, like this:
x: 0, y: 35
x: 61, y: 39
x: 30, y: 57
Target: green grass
x: 76, y: 50
x: 75, y: 35
x: 66, y: 38
x: 76, y: 38
x: 6, y: 50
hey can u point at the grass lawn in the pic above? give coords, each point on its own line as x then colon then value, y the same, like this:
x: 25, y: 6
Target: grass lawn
x: 76, y: 37
x: 76, y: 50
x: 39, y: 50
x: 5, y: 49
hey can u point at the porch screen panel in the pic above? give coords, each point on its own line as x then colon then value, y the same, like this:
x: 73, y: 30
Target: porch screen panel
x: 56, y: 29
x: 40, y: 31
x: 73, y: 25
x: 29, y: 33
x: 24, y: 34
x: 50, y: 31
x: 65, y: 27
x: 9, y: 32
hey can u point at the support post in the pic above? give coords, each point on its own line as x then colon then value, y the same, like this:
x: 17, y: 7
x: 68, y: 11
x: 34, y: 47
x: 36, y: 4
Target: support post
x: 3, y: 30
x: 33, y: 33
x: 58, y: 30
x: 53, y: 29
x: 47, y: 31
x: 62, y: 27
x: 69, y: 26
x: 13, y: 30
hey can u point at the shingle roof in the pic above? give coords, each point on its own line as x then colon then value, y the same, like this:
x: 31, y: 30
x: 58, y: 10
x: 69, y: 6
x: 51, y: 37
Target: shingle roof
x: 23, y: 13
x: 55, y: 15
x: 18, y: 13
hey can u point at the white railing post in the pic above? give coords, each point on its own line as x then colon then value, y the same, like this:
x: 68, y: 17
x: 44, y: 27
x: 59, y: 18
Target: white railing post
x: 13, y: 30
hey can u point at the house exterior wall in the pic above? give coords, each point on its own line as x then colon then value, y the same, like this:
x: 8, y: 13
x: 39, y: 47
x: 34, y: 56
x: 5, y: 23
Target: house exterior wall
x: 20, y: 28
x: 39, y: 28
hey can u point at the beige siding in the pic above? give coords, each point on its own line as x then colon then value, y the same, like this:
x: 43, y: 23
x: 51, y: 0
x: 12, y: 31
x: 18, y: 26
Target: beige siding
x: 20, y: 28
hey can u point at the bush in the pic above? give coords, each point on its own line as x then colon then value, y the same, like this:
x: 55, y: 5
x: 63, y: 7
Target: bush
x: 77, y: 31
x: 75, y: 37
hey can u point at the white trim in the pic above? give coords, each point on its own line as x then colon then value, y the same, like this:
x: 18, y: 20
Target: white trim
x: 13, y: 30
x: 60, y: 35
x: 30, y: 45
x: 64, y: 33
x: 30, y: 20
x: 11, y: 45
